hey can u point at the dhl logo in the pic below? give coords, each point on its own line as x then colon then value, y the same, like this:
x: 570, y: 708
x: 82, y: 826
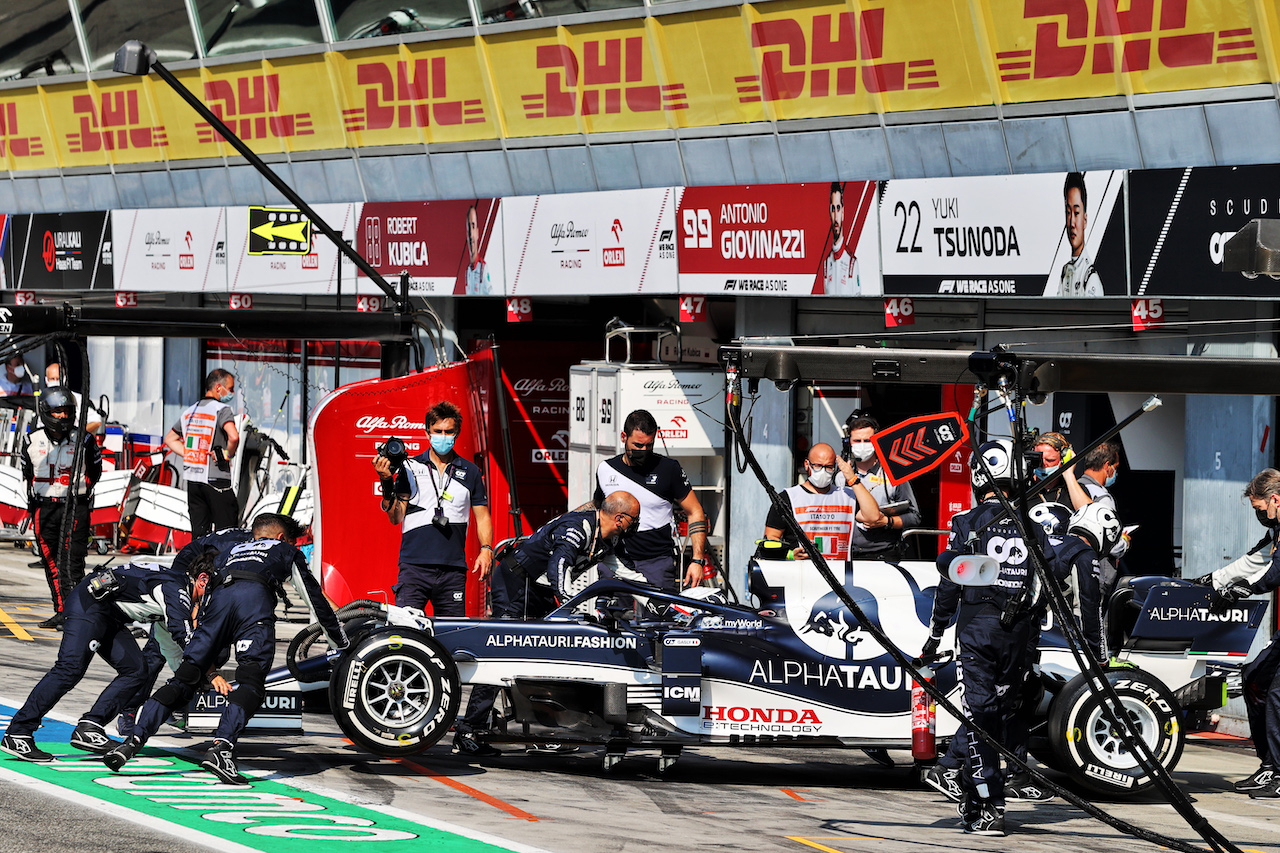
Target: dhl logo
x: 1062, y: 46
x: 842, y: 53
x: 112, y: 123
x: 614, y: 66
x: 251, y: 109
x: 410, y: 96
x: 10, y: 142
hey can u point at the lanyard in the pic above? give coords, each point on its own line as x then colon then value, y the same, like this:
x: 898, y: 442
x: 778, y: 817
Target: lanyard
x: 448, y: 477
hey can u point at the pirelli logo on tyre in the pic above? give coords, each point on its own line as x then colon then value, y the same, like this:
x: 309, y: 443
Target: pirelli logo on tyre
x: 351, y: 689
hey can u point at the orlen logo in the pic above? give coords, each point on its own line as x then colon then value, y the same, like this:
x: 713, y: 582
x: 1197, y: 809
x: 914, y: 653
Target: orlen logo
x: 369, y: 423
x: 615, y: 256
x: 760, y: 715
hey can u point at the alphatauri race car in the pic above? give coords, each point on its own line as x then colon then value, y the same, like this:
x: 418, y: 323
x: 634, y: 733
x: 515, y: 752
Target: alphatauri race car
x: 626, y: 666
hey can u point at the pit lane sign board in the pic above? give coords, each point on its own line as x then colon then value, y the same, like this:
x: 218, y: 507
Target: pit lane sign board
x: 278, y: 231
x: 918, y: 445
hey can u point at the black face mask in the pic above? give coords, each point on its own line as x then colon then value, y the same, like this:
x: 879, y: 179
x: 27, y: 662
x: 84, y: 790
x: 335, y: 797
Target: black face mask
x: 1269, y: 523
x: 639, y: 457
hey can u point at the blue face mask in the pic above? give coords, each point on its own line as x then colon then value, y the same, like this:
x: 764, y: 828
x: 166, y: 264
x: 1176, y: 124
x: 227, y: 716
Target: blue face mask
x: 1111, y: 481
x: 1042, y: 473
x: 226, y: 398
x: 442, y: 444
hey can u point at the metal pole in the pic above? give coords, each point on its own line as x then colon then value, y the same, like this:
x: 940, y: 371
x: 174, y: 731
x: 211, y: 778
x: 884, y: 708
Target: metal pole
x: 305, y: 410
x: 275, y: 180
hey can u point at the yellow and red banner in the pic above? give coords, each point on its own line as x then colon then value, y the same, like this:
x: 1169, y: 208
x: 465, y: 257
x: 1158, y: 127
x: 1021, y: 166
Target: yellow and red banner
x: 773, y: 61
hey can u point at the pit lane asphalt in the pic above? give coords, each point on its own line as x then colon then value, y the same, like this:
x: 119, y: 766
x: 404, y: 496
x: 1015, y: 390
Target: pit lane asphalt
x: 712, y: 799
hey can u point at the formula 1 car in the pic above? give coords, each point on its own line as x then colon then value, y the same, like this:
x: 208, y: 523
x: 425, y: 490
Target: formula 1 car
x: 627, y: 666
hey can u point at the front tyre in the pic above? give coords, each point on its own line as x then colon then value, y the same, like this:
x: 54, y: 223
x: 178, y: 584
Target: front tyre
x: 395, y: 692
x: 1087, y: 745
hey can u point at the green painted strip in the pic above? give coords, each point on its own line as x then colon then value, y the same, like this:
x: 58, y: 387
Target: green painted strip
x: 264, y: 815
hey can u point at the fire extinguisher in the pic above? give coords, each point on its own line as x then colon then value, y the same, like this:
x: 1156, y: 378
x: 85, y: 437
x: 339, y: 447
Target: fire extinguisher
x: 923, y: 718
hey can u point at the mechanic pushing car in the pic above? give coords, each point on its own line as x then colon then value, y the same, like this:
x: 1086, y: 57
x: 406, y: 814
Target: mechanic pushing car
x: 561, y: 552
x: 240, y: 613
x: 994, y: 625
x: 99, y: 611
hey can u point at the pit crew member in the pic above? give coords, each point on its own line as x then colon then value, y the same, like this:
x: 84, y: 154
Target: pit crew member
x: 239, y: 614
x: 870, y: 540
x: 561, y: 551
x: 1096, y: 474
x: 657, y: 482
x: 993, y: 629
x: 99, y: 611
x: 432, y: 497
x: 48, y: 454
x: 1054, y: 450
x: 206, y: 438
x: 1253, y: 574
x: 826, y: 512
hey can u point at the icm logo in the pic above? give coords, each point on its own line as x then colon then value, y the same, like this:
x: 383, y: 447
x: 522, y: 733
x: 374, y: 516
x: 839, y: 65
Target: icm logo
x: 692, y: 694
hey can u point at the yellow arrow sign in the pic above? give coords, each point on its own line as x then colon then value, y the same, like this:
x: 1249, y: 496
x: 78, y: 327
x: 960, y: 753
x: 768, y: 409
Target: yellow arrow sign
x: 295, y: 231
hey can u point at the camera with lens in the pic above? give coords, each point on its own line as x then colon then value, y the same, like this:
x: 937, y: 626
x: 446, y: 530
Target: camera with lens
x: 394, y: 451
x: 439, y: 521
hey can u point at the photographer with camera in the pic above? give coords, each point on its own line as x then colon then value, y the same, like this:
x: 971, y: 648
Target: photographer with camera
x: 433, y: 496
x: 206, y: 438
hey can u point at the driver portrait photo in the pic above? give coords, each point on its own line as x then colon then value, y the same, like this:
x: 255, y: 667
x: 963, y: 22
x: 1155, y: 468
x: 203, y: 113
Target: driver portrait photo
x: 476, y: 274
x: 1077, y: 276
x: 838, y: 275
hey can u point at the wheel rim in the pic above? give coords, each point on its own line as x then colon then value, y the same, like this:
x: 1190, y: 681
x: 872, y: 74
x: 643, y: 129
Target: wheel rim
x: 398, y: 692
x: 1105, y: 742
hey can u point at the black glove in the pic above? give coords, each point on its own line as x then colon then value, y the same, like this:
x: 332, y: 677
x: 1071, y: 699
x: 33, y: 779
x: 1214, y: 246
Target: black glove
x: 1204, y: 580
x: 388, y: 490
x: 929, y: 652
x: 1221, y: 599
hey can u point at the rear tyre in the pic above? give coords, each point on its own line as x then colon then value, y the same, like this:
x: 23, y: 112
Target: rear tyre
x: 395, y: 692
x: 1088, y: 747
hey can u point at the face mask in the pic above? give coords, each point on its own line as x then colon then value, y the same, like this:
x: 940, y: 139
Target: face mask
x: 638, y: 457
x: 442, y: 444
x: 1265, y: 521
x: 1042, y: 473
x: 1111, y: 481
x: 862, y: 450
x: 52, y: 383
x: 821, y: 477
x: 19, y: 372
x: 226, y: 398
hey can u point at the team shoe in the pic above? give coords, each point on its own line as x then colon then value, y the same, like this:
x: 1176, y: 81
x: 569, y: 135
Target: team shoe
x: 124, y: 722
x: 990, y: 821
x: 1020, y: 789
x: 54, y: 622
x: 122, y: 753
x: 1261, y: 778
x: 968, y: 810
x: 1270, y: 792
x: 945, y: 781
x: 465, y: 743
x: 24, y: 747
x: 221, y: 762
x: 91, y: 737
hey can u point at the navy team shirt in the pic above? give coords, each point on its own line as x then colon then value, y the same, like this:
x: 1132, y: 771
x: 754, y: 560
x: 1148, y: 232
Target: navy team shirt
x: 456, y: 491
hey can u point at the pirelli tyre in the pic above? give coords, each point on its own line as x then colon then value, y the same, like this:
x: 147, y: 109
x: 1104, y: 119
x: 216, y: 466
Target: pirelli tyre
x: 395, y: 691
x: 1088, y: 747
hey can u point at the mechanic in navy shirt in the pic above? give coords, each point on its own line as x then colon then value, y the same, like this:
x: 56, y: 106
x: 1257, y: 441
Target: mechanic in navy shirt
x: 433, y: 496
x: 993, y: 627
x: 657, y: 482
x: 239, y: 614
x: 99, y: 611
x: 544, y: 567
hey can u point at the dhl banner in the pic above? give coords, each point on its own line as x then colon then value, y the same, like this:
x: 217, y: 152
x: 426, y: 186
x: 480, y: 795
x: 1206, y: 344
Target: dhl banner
x: 779, y: 60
